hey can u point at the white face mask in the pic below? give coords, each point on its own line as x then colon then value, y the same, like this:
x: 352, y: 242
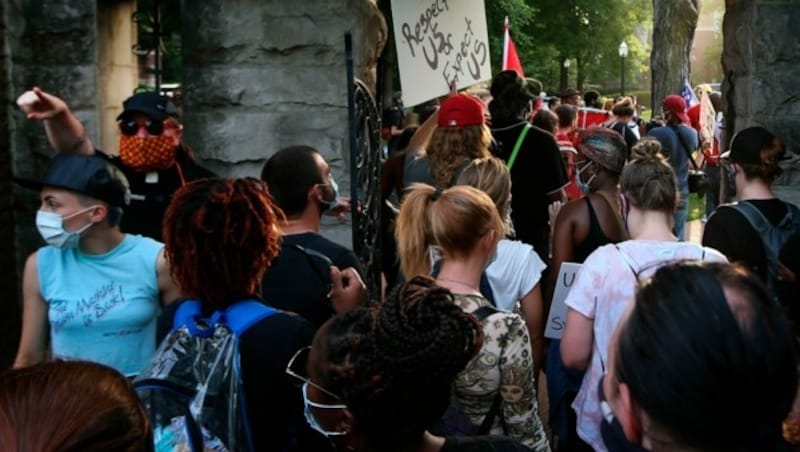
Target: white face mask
x: 312, y: 420
x: 51, y: 228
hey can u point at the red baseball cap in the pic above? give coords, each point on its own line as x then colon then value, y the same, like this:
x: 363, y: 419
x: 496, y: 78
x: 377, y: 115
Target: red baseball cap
x: 677, y: 106
x: 460, y: 111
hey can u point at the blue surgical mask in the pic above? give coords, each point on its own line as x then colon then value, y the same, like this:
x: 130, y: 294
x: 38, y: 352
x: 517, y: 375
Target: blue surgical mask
x: 312, y: 420
x: 51, y: 228
x: 335, y: 199
x: 584, y: 186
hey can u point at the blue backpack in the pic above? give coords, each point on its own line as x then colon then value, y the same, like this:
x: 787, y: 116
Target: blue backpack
x: 192, y: 388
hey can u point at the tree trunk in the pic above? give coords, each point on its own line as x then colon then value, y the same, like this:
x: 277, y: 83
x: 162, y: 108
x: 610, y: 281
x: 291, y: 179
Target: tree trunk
x: 674, y: 22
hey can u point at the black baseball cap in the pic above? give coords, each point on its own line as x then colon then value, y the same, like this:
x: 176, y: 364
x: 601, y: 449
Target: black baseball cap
x: 88, y: 175
x: 150, y: 103
x: 747, y: 145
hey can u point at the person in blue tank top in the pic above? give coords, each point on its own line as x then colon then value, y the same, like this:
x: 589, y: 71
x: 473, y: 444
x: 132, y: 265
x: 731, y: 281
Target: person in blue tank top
x: 93, y: 292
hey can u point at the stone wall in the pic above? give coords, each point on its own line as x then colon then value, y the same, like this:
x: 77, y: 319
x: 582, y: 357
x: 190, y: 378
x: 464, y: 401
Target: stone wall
x: 762, y: 84
x: 52, y: 44
x: 263, y: 75
x: 9, y: 308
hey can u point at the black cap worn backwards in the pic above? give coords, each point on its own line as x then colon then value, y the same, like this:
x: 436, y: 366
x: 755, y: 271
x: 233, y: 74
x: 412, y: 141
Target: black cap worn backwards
x: 84, y: 174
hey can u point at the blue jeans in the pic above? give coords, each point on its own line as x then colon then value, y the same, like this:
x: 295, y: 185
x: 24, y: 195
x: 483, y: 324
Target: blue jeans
x: 681, y: 213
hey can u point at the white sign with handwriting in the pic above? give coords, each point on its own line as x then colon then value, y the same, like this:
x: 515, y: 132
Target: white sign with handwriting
x: 557, y: 319
x: 440, y: 41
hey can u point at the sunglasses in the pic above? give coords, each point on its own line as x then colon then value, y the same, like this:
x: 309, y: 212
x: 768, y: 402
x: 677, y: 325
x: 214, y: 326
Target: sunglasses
x: 131, y: 127
x: 297, y: 369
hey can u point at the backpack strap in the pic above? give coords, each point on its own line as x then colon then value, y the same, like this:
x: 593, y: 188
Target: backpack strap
x: 482, y: 314
x: 239, y: 317
x: 518, y: 145
x: 628, y: 261
x: 243, y: 314
x: 685, y: 146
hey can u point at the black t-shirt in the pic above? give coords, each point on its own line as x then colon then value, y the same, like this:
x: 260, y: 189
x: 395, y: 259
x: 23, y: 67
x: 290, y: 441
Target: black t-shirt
x: 537, y: 171
x: 729, y: 232
x: 482, y: 444
x: 274, y: 399
x: 151, y: 194
x: 292, y: 284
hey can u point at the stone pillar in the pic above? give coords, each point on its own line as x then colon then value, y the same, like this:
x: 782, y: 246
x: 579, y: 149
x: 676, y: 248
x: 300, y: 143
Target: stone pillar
x: 52, y: 44
x: 9, y: 308
x: 117, y: 70
x: 263, y: 75
x: 762, y: 86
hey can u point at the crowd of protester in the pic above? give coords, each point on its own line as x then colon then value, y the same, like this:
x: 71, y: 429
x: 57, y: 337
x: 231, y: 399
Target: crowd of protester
x: 667, y: 344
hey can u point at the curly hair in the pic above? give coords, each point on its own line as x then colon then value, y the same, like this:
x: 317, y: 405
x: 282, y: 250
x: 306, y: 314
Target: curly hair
x: 393, y: 364
x: 221, y: 235
x: 451, y: 146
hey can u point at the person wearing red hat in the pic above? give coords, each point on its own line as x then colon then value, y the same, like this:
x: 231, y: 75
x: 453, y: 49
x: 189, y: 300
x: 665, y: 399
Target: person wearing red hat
x: 460, y: 136
x: 678, y: 141
x: 152, y: 154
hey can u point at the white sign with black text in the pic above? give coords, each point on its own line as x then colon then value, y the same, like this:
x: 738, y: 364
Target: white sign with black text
x: 557, y: 319
x: 438, y: 42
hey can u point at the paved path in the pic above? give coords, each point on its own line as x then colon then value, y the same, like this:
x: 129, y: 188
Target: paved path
x: 694, y: 231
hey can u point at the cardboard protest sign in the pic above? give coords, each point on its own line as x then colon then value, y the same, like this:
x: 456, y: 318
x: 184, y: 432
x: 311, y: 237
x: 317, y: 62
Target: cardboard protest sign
x: 557, y: 319
x: 440, y: 41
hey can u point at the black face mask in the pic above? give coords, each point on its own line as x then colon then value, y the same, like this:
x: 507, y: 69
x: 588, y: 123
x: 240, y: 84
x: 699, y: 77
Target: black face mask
x: 611, y: 430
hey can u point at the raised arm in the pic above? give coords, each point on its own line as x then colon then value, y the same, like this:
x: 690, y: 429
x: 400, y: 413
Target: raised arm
x: 35, y: 326
x: 64, y: 132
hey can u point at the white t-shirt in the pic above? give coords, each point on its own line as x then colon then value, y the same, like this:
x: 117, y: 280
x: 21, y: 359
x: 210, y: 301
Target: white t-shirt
x: 603, y: 289
x: 515, y: 272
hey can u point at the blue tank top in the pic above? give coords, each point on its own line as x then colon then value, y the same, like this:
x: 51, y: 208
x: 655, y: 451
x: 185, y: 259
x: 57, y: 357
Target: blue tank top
x: 103, y: 308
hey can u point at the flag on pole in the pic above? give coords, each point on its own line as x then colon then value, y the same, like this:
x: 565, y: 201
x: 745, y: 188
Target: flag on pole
x: 688, y: 94
x: 510, y: 57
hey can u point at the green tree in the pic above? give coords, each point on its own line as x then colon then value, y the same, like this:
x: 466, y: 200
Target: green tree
x: 587, y: 32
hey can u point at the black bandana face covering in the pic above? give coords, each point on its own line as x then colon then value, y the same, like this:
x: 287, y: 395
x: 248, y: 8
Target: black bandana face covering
x: 611, y: 430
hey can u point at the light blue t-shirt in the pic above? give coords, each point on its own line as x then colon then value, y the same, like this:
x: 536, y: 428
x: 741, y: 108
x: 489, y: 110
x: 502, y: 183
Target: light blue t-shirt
x: 103, y: 308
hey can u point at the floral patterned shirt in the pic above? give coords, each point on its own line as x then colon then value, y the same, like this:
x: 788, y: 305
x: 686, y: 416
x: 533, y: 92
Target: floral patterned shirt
x: 504, y: 364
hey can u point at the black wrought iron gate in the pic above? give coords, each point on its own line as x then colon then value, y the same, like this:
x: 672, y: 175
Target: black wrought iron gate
x: 365, y: 166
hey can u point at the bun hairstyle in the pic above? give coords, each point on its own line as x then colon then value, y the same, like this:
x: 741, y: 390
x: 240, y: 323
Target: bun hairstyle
x: 707, y: 354
x: 623, y: 108
x: 393, y: 364
x: 648, y: 180
x: 769, y: 169
x: 453, y: 221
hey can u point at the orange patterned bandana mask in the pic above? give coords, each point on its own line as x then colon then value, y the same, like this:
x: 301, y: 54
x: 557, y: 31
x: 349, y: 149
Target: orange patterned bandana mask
x: 147, y: 153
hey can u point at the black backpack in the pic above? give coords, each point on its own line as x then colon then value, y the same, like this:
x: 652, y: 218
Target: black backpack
x: 773, y: 237
x: 454, y: 423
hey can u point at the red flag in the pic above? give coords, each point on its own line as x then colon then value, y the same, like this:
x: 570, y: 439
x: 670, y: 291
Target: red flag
x: 510, y: 57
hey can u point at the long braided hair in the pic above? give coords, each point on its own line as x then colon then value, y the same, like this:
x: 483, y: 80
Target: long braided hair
x: 221, y: 236
x: 393, y: 364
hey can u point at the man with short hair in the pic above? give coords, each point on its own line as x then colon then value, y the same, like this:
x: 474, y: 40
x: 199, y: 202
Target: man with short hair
x: 591, y: 99
x: 571, y: 96
x: 678, y: 140
x: 300, y: 182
